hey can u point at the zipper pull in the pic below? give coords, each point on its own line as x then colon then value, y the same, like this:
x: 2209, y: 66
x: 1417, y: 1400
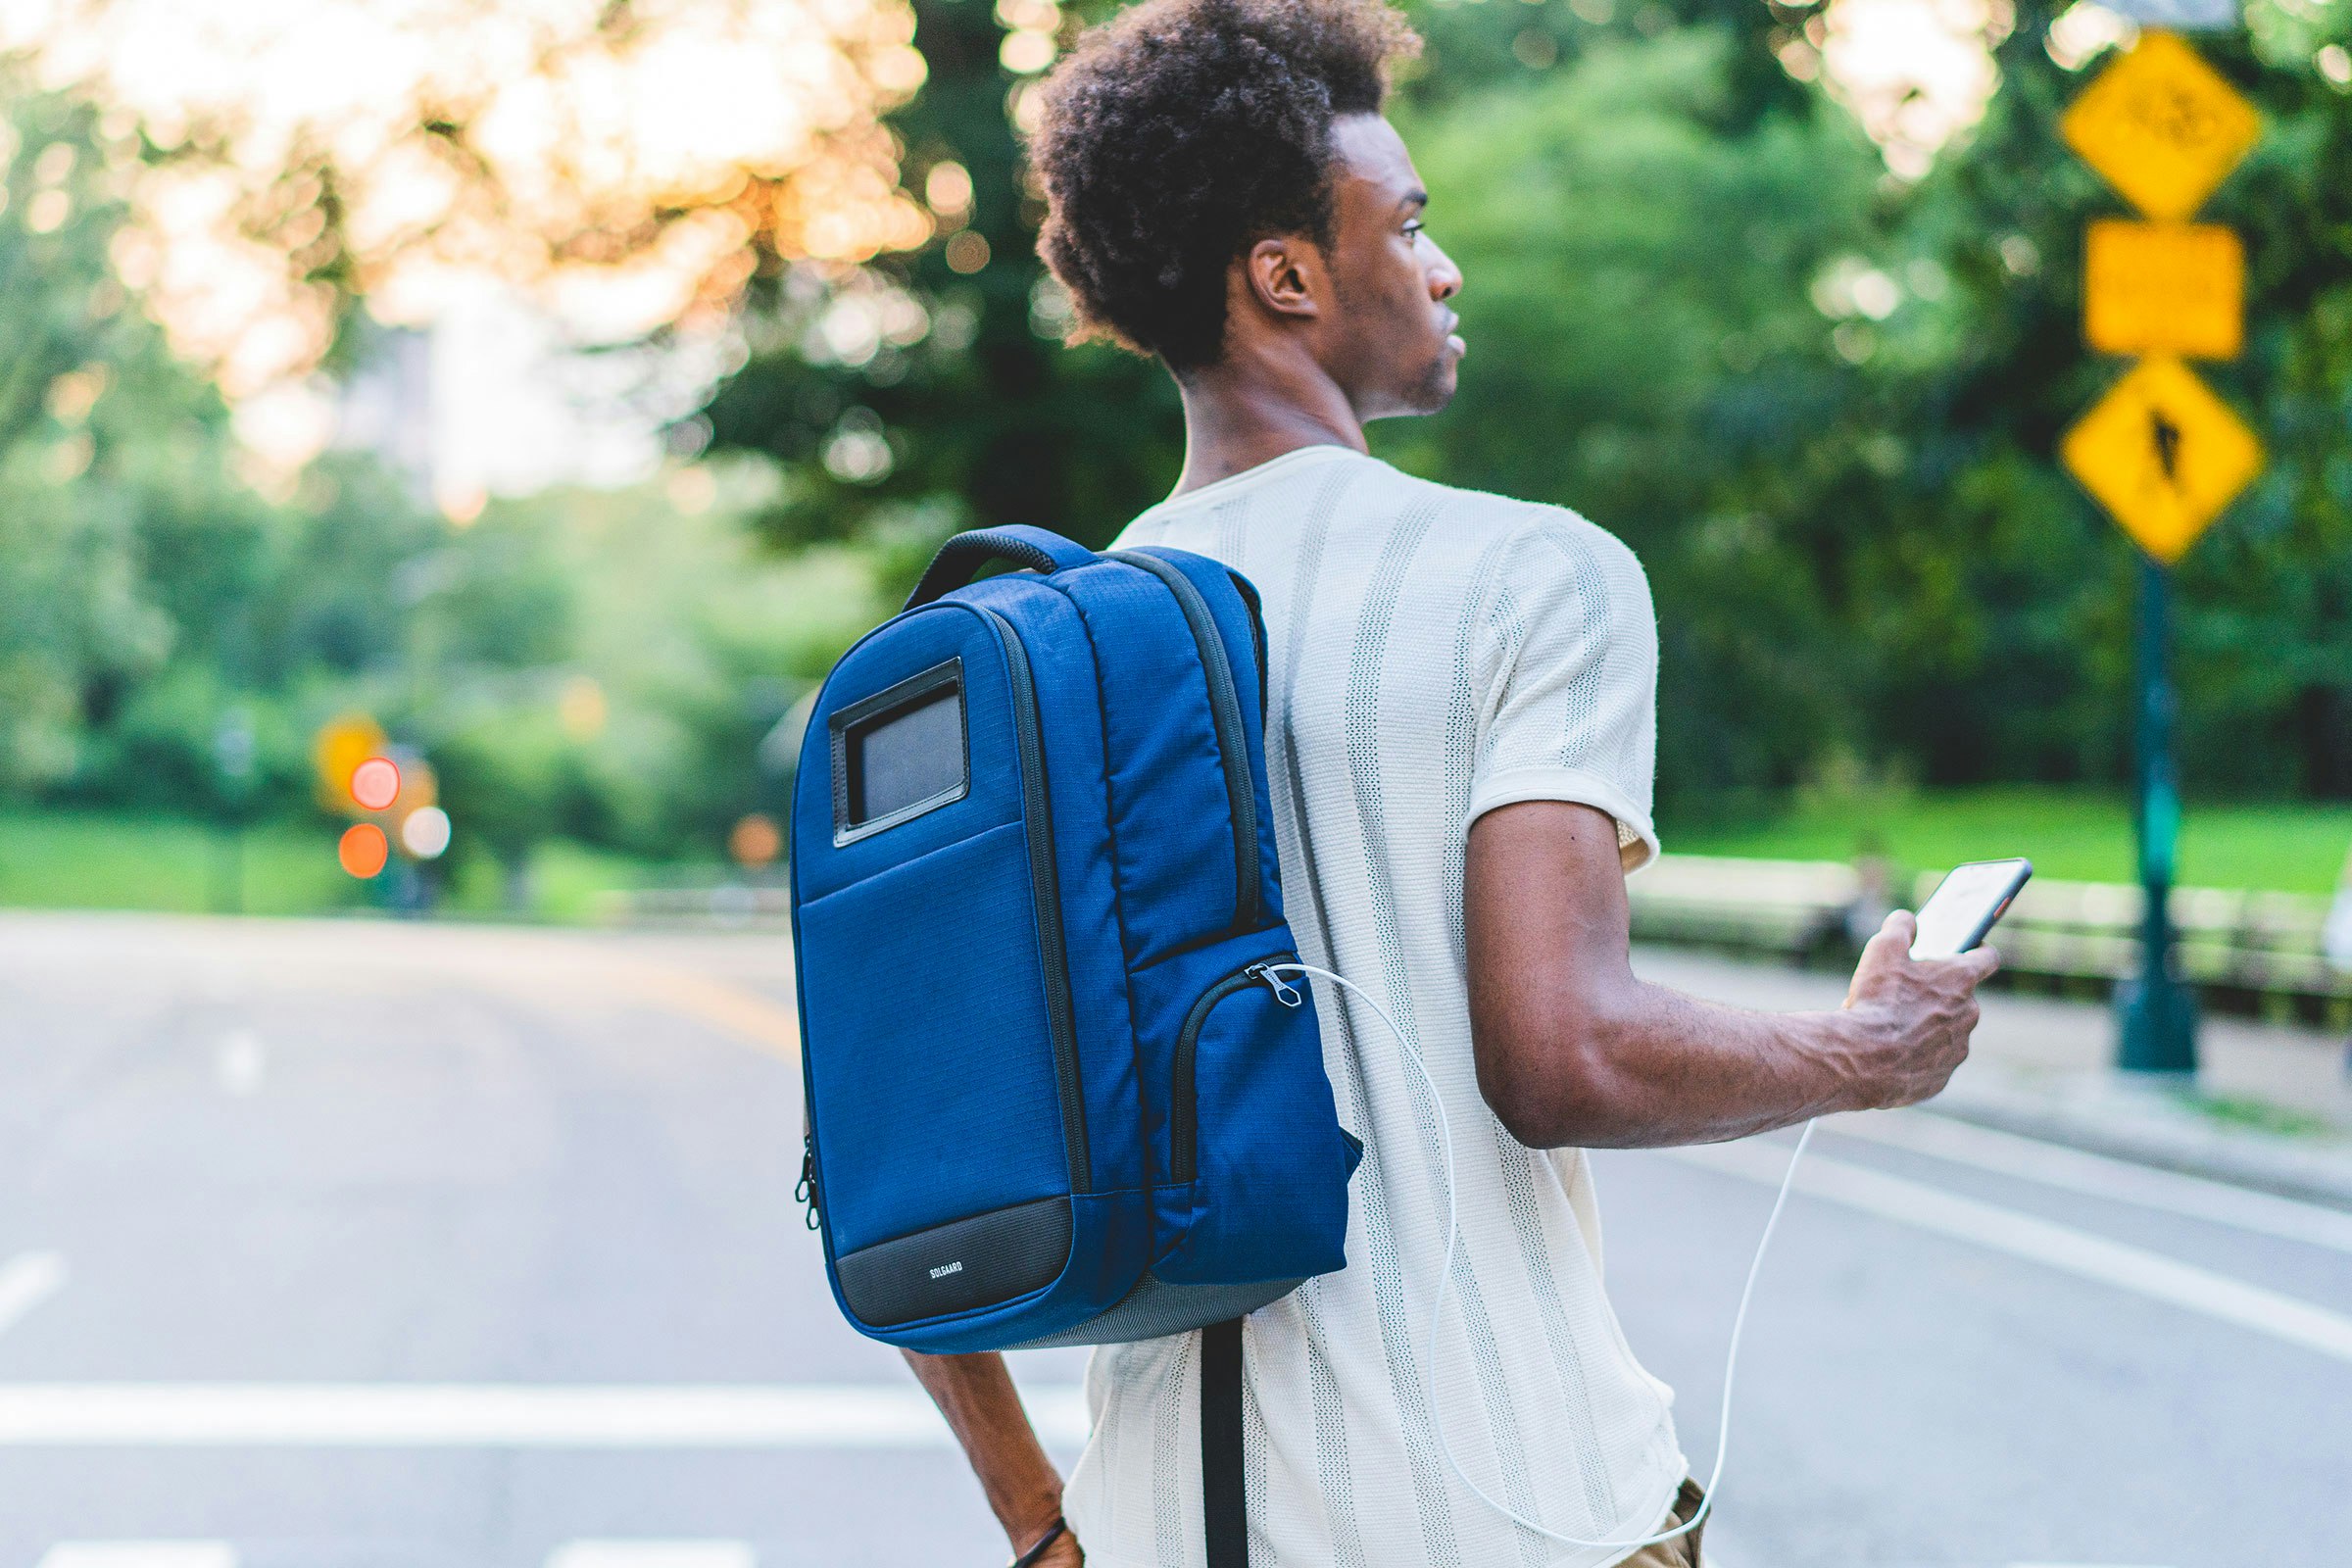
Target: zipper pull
x: 805, y: 1191
x: 1287, y: 995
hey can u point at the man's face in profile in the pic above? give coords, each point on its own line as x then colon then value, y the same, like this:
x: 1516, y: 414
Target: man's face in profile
x: 1394, y: 345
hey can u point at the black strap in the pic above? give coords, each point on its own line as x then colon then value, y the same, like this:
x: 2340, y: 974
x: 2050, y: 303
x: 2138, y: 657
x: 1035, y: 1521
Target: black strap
x: 1037, y: 1548
x: 1018, y: 544
x: 1224, y: 1495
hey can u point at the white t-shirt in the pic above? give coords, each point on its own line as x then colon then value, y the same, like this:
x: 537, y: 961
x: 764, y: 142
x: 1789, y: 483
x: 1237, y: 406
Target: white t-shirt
x: 1433, y: 654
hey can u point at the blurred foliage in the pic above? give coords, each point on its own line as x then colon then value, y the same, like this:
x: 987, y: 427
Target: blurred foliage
x: 1821, y: 401
x: 1637, y: 278
x: 600, y: 666
x: 2263, y: 602
x: 934, y: 392
x: 104, y: 445
x: 626, y: 159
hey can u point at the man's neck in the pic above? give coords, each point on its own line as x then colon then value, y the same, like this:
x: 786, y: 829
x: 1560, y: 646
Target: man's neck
x: 1250, y: 410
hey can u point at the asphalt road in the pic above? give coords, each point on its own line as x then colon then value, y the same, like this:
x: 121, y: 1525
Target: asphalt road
x: 330, y: 1244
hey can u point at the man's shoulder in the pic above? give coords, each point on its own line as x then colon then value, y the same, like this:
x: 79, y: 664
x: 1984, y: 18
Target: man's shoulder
x: 1486, y: 533
x: 1518, y: 538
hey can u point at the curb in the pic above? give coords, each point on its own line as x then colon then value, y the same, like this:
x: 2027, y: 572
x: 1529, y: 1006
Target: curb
x: 2145, y: 1127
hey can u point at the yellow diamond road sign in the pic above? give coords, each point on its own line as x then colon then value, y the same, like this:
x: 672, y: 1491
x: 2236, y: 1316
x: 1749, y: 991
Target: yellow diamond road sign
x: 2163, y: 455
x: 2162, y: 125
x: 2164, y: 288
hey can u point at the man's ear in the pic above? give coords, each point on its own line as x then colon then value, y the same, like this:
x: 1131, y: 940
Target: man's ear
x: 1286, y: 277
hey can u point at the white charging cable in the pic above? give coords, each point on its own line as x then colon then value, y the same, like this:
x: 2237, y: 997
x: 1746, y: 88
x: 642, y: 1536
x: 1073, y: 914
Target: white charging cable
x: 1437, y: 1306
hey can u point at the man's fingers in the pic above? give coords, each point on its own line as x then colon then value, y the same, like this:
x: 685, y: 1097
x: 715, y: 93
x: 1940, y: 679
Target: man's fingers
x: 1981, y: 961
x: 1895, y: 934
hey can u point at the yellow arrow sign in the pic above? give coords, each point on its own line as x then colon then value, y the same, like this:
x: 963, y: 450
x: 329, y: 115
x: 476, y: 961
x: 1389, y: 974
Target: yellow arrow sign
x: 2162, y: 125
x: 2164, y: 288
x: 2163, y: 455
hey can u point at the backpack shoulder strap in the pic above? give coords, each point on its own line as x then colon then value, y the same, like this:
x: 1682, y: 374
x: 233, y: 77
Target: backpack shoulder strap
x: 1018, y: 543
x: 1224, y: 1492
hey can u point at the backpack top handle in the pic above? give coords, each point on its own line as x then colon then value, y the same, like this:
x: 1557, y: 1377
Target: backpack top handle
x: 1037, y: 549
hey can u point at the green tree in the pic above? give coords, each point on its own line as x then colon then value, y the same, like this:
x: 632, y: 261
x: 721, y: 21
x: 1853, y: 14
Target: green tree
x: 1851, y: 507
x: 98, y: 431
x: 951, y: 357
x: 2265, y: 599
x: 1643, y: 347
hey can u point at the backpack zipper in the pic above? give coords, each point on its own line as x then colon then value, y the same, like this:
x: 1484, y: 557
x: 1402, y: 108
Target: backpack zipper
x: 806, y: 1191
x: 1046, y: 885
x: 1232, y: 744
x: 1183, y: 1154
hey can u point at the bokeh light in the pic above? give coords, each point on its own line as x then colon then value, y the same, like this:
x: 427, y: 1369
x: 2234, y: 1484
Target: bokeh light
x: 1915, y: 73
x: 341, y: 745
x: 756, y: 841
x: 375, y: 783
x: 582, y: 707
x: 425, y: 832
x: 362, y: 850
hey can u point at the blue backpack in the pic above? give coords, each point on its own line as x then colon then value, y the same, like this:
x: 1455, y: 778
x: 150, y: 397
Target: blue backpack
x: 1053, y: 1096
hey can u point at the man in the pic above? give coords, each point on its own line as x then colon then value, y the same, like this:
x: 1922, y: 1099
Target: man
x: 1461, y: 736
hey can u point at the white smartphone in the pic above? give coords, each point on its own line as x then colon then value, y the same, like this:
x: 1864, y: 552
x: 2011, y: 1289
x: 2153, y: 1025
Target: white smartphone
x: 1965, y: 905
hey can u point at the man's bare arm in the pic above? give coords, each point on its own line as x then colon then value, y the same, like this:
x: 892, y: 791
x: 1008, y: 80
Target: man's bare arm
x: 975, y: 1392
x: 1574, y: 1050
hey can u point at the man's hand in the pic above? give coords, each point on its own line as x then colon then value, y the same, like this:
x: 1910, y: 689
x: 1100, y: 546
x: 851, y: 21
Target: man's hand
x: 1916, y: 1014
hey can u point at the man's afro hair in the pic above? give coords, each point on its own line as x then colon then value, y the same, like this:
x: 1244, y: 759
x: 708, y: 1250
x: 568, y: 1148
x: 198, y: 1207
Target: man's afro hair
x: 1182, y: 132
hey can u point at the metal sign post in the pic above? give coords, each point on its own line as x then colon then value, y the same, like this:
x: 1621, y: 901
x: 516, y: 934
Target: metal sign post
x: 2158, y: 1014
x: 2160, y: 451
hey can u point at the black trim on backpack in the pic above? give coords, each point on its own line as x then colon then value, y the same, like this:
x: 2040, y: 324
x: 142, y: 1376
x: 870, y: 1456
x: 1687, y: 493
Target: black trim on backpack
x: 868, y: 713
x: 1225, y: 712
x: 1257, y: 635
x: 1184, y: 1102
x: 1045, y: 878
x: 957, y: 1266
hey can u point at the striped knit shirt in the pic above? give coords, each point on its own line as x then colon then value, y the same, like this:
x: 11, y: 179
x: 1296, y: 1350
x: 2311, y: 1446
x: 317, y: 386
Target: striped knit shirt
x: 1434, y: 654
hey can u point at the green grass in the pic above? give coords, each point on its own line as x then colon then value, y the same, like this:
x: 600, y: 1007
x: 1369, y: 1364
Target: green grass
x: 87, y: 859
x: 95, y: 860
x: 2235, y: 1110
x: 2074, y: 835
x: 568, y: 883
x: 99, y: 861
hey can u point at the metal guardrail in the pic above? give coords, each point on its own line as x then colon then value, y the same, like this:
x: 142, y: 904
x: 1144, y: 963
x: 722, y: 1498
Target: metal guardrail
x: 731, y: 906
x: 2243, y: 950
x: 1796, y: 908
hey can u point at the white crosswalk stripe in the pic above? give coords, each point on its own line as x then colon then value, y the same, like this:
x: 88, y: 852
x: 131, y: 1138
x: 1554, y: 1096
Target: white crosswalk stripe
x: 2074, y: 1170
x: 653, y: 1555
x: 140, y: 1555
x: 616, y: 1553
x: 428, y: 1415
x: 2040, y: 1241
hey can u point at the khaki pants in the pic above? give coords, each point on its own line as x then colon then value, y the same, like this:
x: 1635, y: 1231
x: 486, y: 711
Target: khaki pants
x: 1683, y: 1550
